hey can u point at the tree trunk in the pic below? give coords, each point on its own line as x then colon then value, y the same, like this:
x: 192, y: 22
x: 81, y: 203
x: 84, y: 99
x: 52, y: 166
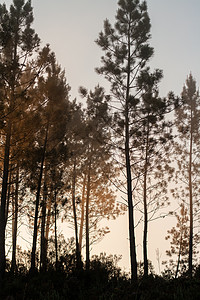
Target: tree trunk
x: 56, y: 241
x: 15, y: 219
x: 82, y: 214
x: 179, y: 256
x: 145, y: 205
x: 87, y: 218
x: 8, y: 196
x: 3, y: 202
x: 13, y: 56
x: 128, y: 173
x: 33, y: 253
x: 145, y: 226
x: 191, y: 201
x: 43, y: 242
x: 78, y: 259
x: 47, y: 226
x: 131, y: 217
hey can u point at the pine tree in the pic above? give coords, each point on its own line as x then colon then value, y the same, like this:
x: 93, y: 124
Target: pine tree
x: 126, y: 51
x: 94, y: 168
x: 153, y: 136
x: 53, y: 93
x: 179, y: 236
x: 18, y: 41
x: 188, y: 155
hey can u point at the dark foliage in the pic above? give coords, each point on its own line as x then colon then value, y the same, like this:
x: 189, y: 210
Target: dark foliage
x: 103, y: 281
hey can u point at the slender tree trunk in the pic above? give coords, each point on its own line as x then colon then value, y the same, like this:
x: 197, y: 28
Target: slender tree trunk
x: 3, y: 202
x: 191, y: 201
x: 128, y: 173
x: 8, y: 195
x: 15, y: 219
x: 78, y: 259
x: 145, y: 206
x: 13, y: 56
x: 82, y: 214
x: 87, y: 218
x: 131, y: 217
x: 145, y: 226
x: 56, y: 241
x: 179, y: 257
x: 37, y: 205
x: 43, y: 242
x: 47, y: 226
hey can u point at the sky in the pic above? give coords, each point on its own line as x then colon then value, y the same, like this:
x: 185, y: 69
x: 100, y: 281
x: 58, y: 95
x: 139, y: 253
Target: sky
x: 71, y: 27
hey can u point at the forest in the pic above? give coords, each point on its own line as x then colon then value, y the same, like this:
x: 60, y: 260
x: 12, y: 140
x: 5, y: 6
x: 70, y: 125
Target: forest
x: 83, y: 161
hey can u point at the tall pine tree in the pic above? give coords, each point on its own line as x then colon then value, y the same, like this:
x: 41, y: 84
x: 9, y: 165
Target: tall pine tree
x: 126, y: 51
x: 18, y: 41
x: 188, y: 155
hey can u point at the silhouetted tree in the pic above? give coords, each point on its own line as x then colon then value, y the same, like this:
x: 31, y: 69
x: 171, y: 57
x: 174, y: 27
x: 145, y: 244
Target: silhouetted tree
x: 53, y: 91
x: 150, y: 147
x: 126, y: 51
x: 18, y: 41
x: 188, y: 155
x: 99, y: 166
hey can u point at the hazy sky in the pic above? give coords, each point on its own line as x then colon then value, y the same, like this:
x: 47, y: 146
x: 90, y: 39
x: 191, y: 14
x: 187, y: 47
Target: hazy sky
x: 71, y: 27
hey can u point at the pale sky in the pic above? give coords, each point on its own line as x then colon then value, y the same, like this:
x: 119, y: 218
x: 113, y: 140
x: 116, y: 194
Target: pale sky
x: 71, y: 27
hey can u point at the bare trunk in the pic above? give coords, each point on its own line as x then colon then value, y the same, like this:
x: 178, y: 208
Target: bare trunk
x: 145, y: 227
x: 179, y: 257
x: 87, y: 218
x: 145, y: 206
x: 15, y: 219
x: 82, y: 214
x: 131, y: 217
x: 128, y: 173
x: 33, y: 253
x: 191, y: 203
x: 13, y: 56
x: 3, y: 202
x: 43, y: 242
x: 56, y: 241
x: 78, y: 259
x: 8, y: 196
x: 47, y: 226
